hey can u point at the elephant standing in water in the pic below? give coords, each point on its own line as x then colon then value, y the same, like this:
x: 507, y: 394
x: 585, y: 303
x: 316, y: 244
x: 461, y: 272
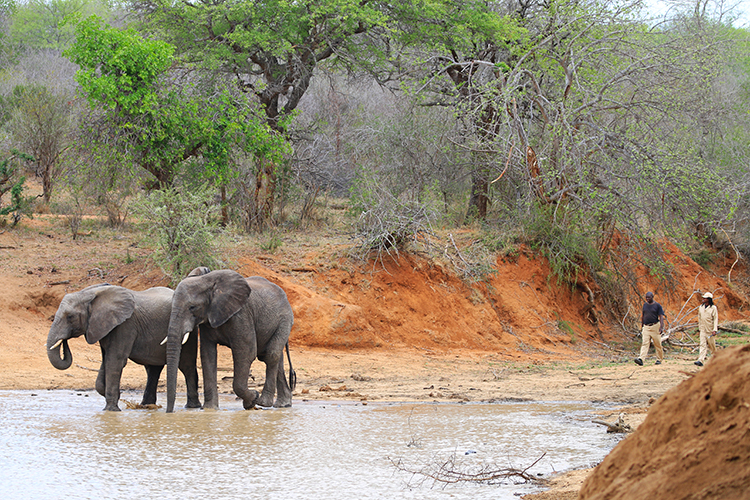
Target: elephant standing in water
x: 127, y: 324
x: 251, y: 316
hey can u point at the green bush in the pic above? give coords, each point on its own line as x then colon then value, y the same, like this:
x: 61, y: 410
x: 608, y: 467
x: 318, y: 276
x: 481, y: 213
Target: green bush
x: 564, y: 242
x: 13, y: 182
x: 182, y: 224
x: 386, y: 224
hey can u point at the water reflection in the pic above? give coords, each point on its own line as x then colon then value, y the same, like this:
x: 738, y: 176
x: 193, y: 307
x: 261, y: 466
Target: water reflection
x: 60, y: 443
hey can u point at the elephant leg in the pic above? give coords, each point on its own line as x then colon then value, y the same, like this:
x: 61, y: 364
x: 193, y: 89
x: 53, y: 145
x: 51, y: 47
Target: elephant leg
x: 153, y: 372
x: 112, y: 392
x: 189, y: 369
x: 242, y: 358
x: 191, y: 382
x: 283, y: 391
x: 210, y: 386
x: 273, y: 356
x: 269, y: 387
x: 101, y: 378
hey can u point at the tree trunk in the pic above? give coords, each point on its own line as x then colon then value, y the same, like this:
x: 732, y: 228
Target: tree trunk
x: 224, y: 211
x: 47, y: 182
x: 479, y: 200
x: 265, y: 193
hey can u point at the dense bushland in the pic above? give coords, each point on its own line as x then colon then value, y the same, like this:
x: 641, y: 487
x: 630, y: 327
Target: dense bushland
x: 577, y: 128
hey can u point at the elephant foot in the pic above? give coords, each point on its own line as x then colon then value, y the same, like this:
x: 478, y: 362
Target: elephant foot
x: 193, y: 404
x: 112, y: 408
x: 251, y: 401
x: 282, y: 404
x: 265, y: 402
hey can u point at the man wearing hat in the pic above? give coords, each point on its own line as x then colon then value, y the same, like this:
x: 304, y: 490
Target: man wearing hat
x: 708, y: 325
x: 652, y: 324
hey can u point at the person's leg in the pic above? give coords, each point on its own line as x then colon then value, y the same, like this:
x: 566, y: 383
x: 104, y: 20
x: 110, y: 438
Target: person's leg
x: 656, y: 336
x: 703, y: 348
x: 645, y: 342
x: 711, y: 344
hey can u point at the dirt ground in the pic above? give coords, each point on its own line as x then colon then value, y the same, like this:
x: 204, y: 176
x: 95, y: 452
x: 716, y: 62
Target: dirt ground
x: 406, y: 331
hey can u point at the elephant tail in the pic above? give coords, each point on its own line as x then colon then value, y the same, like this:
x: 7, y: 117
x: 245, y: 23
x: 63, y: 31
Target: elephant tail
x: 292, y: 373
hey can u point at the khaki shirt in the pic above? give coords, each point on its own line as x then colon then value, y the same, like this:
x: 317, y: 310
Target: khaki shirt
x: 708, y: 319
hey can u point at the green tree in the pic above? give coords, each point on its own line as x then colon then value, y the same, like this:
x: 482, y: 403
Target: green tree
x: 12, y: 181
x: 42, y: 123
x: 181, y: 223
x: 50, y: 24
x: 273, y: 47
x: 158, y: 118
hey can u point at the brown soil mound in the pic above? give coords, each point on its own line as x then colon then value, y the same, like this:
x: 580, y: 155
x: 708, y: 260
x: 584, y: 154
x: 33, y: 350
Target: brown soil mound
x: 694, y: 444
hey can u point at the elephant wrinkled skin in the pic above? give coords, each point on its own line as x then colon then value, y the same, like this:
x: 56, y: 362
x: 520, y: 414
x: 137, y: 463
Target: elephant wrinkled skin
x: 251, y: 316
x: 127, y: 324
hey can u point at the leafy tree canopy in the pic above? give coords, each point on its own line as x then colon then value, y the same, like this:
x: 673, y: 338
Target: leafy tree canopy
x: 50, y: 24
x: 158, y: 118
x: 119, y: 68
x: 273, y: 46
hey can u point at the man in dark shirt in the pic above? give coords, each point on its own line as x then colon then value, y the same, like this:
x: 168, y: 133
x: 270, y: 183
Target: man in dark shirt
x: 652, y: 324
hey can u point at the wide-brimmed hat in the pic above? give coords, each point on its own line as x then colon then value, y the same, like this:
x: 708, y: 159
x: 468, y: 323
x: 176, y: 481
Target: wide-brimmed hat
x: 708, y: 295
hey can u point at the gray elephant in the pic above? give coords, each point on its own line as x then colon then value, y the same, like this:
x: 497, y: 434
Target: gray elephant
x: 127, y: 324
x: 251, y: 316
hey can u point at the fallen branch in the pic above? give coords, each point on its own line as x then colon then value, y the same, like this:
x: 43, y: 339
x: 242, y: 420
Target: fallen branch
x: 677, y: 343
x: 584, y: 379
x: 732, y: 330
x: 618, y: 426
x: 448, y: 472
x: 132, y: 405
x: 737, y: 255
x: 609, y: 346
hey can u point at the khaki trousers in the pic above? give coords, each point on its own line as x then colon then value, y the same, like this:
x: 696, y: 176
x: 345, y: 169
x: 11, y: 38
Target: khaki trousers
x: 708, y: 343
x: 649, y: 333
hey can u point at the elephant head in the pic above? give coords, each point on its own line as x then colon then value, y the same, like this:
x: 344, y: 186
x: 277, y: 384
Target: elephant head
x: 93, y: 312
x: 212, y: 298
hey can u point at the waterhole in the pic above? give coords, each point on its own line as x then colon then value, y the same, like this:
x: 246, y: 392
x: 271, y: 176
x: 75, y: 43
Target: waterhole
x: 59, y: 444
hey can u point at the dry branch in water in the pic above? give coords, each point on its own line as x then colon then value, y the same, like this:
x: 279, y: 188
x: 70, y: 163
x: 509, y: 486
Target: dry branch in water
x: 617, y: 426
x: 450, y: 472
x: 132, y: 405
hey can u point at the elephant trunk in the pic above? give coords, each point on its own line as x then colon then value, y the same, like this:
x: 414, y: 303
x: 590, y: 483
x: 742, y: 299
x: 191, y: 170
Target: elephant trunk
x: 53, y: 353
x: 174, y: 350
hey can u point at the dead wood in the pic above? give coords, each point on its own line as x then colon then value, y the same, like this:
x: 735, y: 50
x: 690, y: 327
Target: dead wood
x: 617, y: 426
x: 592, y: 377
x: 449, y: 472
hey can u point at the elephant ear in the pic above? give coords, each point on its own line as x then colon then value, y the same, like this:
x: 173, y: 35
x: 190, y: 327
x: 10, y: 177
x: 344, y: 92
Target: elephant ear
x: 111, y: 306
x: 198, y: 271
x: 229, y: 294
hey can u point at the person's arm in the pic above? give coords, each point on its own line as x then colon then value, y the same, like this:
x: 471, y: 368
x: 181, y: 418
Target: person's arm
x: 661, y: 320
x: 716, y: 320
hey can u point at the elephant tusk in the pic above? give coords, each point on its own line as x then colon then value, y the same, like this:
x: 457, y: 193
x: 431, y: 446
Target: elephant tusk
x: 57, y: 344
x: 184, y: 339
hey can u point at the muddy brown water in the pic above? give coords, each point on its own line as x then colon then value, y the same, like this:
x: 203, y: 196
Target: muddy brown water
x: 59, y: 444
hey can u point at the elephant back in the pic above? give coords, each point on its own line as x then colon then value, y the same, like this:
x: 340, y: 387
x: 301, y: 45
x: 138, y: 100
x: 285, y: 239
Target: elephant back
x: 268, y: 300
x: 155, y: 306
